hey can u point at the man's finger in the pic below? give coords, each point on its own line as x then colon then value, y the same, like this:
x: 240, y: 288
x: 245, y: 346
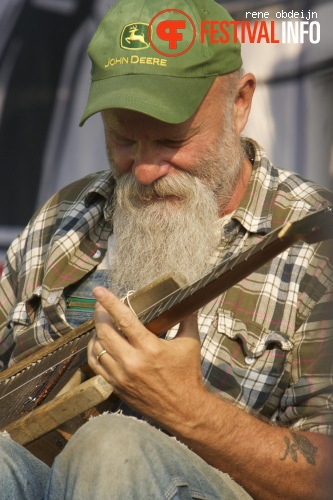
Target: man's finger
x: 188, y: 327
x: 121, y: 316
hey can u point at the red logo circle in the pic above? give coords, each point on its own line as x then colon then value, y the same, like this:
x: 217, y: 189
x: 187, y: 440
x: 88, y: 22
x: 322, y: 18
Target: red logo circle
x: 171, y: 31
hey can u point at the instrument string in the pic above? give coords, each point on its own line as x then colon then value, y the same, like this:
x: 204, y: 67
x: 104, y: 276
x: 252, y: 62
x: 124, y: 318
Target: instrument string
x: 39, y: 374
x: 172, y: 296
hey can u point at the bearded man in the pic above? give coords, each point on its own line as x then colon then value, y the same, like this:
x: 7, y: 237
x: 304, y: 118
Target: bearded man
x: 245, y: 384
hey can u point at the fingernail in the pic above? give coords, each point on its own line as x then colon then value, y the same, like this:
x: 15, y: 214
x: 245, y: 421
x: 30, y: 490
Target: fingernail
x: 99, y: 292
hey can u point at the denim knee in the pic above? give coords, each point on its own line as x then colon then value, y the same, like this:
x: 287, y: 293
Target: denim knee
x: 113, y: 457
x: 22, y: 476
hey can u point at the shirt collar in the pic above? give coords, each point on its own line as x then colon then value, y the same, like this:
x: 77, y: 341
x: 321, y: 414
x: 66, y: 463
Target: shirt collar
x: 254, y: 211
x: 102, y: 187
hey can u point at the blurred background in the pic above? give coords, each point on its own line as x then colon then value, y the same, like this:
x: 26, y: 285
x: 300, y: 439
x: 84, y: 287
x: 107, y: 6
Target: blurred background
x: 44, y: 83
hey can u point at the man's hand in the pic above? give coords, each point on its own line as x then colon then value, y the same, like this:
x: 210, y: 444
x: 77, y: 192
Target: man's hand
x: 159, y: 378
x: 162, y: 380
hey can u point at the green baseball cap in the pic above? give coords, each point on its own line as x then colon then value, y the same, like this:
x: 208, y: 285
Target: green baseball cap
x: 160, y: 57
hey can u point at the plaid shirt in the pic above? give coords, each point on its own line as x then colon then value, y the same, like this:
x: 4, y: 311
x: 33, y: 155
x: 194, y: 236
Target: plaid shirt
x: 267, y: 343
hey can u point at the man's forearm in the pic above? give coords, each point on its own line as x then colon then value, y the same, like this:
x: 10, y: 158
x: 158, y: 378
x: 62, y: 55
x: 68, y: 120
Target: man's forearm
x: 268, y: 461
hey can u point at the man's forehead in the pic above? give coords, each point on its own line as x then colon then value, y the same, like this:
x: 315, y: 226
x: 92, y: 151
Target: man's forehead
x: 122, y: 120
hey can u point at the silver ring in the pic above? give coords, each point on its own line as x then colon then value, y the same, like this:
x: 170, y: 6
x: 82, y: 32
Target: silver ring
x: 100, y: 354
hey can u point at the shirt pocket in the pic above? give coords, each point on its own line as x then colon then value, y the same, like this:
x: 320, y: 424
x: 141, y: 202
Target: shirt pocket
x: 250, y: 363
x: 18, y: 318
x: 28, y: 329
x: 24, y: 314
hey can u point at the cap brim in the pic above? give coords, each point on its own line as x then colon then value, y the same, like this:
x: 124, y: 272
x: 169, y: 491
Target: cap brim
x: 169, y: 99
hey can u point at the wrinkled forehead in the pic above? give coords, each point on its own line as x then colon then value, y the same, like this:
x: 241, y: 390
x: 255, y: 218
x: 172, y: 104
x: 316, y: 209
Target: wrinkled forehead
x: 126, y: 121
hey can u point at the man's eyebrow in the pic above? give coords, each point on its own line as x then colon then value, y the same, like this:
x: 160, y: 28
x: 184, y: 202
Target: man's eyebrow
x: 115, y: 132
x: 181, y: 136
x: 175, y: 138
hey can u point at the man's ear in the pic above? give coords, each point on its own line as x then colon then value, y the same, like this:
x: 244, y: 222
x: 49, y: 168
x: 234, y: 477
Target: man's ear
x: 243, y: 101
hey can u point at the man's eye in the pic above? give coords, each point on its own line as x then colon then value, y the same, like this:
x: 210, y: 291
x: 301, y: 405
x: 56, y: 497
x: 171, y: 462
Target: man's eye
x: 122, y: 141
x: 126, y: 142
x: 173, y: 144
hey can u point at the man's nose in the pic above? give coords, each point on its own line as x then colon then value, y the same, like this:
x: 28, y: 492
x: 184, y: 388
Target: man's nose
x: 149, y: 165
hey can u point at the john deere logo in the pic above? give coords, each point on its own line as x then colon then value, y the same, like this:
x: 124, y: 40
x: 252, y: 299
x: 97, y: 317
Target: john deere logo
x: 135, y: 36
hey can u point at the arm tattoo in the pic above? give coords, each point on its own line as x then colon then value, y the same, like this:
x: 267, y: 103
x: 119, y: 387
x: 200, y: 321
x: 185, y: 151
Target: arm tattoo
x: 303, y: 445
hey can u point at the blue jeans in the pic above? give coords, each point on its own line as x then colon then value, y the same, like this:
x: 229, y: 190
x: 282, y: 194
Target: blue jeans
x: 114, y: 457
x: 22, y: 476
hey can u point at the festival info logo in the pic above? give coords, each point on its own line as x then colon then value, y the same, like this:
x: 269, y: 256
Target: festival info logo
x: 135, y: 36
x: 175, y: 32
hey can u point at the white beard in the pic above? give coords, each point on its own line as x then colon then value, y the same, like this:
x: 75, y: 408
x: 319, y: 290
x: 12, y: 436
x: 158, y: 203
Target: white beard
x: 171, y: 224
x: 153, y: 238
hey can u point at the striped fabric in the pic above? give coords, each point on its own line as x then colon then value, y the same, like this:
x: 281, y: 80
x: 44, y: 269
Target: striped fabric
x: 267, y: 343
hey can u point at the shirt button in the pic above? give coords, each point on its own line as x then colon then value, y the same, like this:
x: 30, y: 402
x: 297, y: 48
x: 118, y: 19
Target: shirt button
x: 97, y: 254
x: 51, y: 298
x: 249, y: 360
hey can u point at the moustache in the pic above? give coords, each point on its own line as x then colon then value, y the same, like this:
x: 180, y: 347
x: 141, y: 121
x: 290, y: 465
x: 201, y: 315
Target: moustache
x: 181, y: 185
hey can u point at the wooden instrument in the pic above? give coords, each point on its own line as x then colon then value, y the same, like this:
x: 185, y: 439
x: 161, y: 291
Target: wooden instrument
x: 54, y: 385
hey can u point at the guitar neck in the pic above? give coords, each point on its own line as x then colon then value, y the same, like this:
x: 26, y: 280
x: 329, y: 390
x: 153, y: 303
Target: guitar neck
x: 171, y: 310
x: 168, y: 312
